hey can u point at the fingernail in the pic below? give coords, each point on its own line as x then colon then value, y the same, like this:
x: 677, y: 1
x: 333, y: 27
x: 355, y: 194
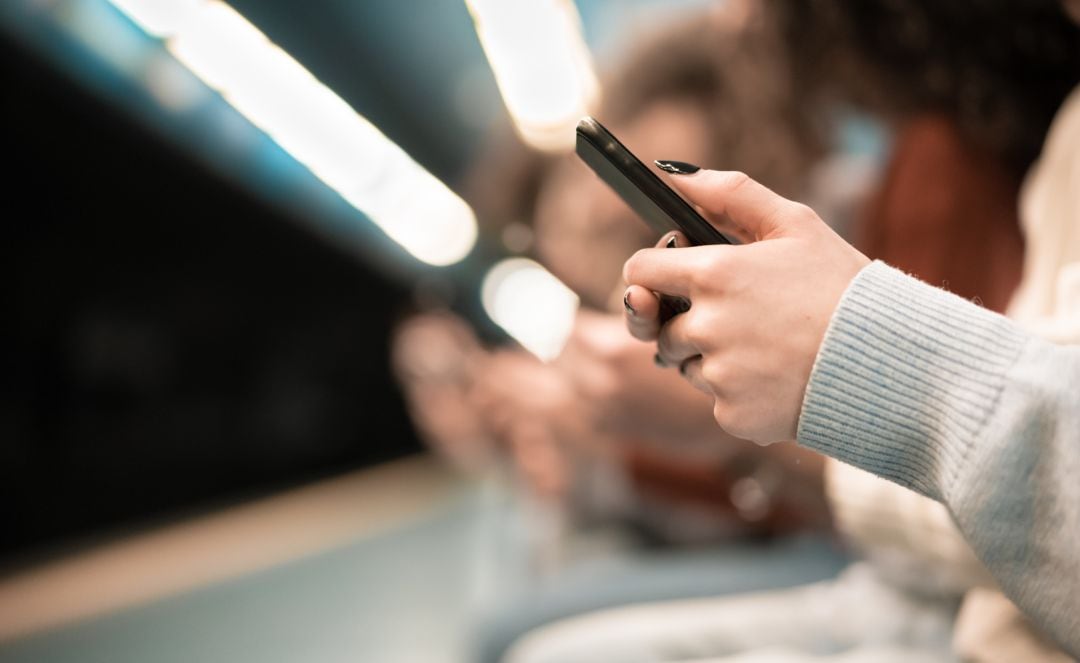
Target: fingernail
x: 676, y: 167
x: 626, y: 303
x: 658, y: 360
x: 671, y: 243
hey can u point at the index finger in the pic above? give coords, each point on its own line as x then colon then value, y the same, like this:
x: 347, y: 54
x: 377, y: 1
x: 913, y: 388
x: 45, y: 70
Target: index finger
x: 667, y: 271
x: 642, y: 313
x: 734, y: 197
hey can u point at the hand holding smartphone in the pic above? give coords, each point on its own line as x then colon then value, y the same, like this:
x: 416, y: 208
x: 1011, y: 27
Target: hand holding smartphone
x: 653, y: 200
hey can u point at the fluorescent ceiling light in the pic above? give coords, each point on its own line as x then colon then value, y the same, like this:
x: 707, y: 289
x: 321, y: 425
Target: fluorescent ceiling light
x: 317, y: 127
x: 160, y: 18
x: 533, y: 306
x: 541, y: 65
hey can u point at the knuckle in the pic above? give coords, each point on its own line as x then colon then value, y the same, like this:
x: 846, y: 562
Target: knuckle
x: 632, y: 267
x: 697, y: 330
x: 715, y: 373
x: 719, y: 267
x: 665, y: 344
x: 722, y: 413
x: 802, y: 213
x: 730, y: 418
x: 733, y: 180
x: 710, y: 275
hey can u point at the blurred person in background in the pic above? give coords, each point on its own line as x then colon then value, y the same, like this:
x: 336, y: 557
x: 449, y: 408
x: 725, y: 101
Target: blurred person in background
x: 601, y: 435
x: 969, y: 116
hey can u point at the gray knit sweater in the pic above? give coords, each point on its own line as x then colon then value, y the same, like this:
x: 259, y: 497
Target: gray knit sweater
x: 928, y: 390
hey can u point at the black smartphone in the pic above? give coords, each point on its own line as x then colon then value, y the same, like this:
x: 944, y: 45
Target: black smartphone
x: 653, y: 200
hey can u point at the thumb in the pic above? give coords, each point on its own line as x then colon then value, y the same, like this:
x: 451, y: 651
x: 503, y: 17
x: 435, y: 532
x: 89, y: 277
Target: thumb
x: 732, y: 197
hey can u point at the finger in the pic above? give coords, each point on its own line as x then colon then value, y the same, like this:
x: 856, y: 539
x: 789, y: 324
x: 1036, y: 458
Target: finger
x: 725, y: 225
x: 673, y: 344
x: 751, y: 206
x: 642, y: 313
x: 670, y: 306
x: 666, y: 271
x: 690, y: 369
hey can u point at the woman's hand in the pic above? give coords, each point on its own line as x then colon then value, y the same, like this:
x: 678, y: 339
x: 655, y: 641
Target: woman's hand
x: 759, y: 311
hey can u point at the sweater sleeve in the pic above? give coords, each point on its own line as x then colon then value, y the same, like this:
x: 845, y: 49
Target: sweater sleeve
x: 958, y: 403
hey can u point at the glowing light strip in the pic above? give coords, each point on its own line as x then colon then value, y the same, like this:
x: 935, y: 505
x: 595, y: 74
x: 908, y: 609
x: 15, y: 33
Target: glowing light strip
x: 541, y: 64
x: 531, y: 304
x: 317, y: 127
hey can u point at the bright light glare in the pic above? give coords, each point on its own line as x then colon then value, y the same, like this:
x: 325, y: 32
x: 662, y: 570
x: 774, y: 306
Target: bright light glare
x: 533, y: 306
x: 160, y: 18
x: 541, y: 64
x: 317, y: 127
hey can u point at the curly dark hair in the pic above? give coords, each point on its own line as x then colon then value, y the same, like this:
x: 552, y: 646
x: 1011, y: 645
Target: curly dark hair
x: 999, y: 68
x: 740, y: 77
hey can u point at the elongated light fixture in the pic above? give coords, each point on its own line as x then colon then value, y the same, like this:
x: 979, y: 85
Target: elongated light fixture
x: 541, y: 65
x: 316, y: 126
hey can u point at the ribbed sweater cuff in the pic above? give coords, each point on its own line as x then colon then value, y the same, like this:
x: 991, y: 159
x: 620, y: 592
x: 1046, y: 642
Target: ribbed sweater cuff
x: 905, y: 379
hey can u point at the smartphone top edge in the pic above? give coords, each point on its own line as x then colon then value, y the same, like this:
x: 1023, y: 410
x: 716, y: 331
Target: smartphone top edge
x: 588, y: 122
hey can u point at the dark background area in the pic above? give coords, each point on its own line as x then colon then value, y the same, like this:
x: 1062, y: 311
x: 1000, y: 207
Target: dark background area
x: 169, y: 342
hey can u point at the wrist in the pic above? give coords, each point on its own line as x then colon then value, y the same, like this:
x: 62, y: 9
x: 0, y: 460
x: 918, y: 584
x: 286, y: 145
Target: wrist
x: 905, y: 378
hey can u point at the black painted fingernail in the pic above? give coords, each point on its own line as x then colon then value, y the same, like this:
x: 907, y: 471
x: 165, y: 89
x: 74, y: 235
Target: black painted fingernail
x: 676, y: 167
x: 659, y: 361
x: 626, y: 303
x: 671, y: 243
